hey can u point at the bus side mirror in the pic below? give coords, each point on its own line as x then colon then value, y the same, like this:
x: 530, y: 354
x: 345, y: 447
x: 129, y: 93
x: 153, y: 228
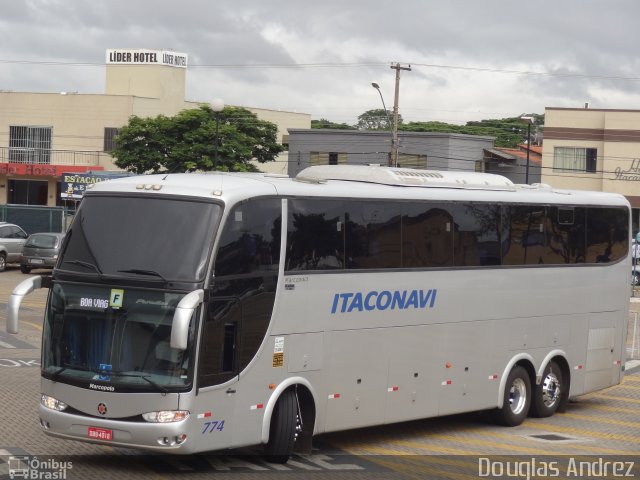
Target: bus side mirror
x: 22, y: 289
x: 181, y: 318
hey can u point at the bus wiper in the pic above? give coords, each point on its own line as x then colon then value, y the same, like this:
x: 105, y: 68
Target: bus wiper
x: 84, y: 264
x: 140, y: 271
x: 144, y: 377
x: 67, y: 366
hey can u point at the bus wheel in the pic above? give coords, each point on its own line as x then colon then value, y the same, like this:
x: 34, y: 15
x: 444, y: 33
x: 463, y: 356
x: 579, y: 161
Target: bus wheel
x: 547, y: 395
x: 285, y: 425
x: 517, y: 398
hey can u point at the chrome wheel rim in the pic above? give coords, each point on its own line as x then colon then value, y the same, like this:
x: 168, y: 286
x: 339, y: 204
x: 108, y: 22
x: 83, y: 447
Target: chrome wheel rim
x: 550, y: 390
x: 518, y: 396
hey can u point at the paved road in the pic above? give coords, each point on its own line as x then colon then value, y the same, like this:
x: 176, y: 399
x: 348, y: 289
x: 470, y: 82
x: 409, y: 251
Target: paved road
x: 597, y: 430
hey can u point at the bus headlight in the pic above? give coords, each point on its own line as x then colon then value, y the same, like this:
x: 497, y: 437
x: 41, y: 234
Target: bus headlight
x: 53, y: 403
x: 165, y: 416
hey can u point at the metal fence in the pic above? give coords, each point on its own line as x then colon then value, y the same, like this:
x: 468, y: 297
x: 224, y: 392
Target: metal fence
x: 34, y: 219
x: 50, y: 157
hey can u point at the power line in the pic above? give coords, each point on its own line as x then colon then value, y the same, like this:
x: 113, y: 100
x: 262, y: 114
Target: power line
x: 297, y: 65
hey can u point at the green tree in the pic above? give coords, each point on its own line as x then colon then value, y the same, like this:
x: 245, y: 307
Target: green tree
x: 187, y: 141
x: 377, y: 119
x: 326, y: 124
x: 508, y: 132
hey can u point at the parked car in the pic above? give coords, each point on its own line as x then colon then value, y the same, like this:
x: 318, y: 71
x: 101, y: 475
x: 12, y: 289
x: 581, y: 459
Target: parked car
x: 12, y: 238
x: 40, y: 251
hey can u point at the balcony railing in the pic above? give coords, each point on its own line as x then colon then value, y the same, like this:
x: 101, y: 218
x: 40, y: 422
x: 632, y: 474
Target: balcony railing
x: 50, y: 157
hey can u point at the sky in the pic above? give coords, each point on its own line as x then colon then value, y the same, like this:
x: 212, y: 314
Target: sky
x: 470, y: 59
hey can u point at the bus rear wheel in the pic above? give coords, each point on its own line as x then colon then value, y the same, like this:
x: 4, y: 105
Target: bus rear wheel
x: 285, y: 426
x: 517, y: 398
x: 548, y: 395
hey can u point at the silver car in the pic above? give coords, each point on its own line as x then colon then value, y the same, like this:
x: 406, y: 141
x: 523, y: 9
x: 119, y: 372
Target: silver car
x: 40, y: 251
x: 12, y: 238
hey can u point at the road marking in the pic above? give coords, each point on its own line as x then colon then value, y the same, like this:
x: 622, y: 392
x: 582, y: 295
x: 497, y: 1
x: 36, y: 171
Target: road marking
x: 628, y: 387
x: 610, y: 421
x: 13, y: 342
x: 34, y: 325
x: 579, y: 432
x: 631, y: 378
x: 620, y: 399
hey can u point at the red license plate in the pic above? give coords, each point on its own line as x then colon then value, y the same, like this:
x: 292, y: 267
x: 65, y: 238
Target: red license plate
x: 100, y: 433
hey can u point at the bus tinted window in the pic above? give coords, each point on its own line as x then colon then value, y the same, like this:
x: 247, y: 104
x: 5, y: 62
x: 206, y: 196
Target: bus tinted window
x: 477, y: 241
x: 607, y: 234
x: 439, y: 234
x: 427, y: 231
x: 250, y: 240
x: 315, y: 237
x: 565, y: 235
x: 526, y: 242
x: 372, y: 235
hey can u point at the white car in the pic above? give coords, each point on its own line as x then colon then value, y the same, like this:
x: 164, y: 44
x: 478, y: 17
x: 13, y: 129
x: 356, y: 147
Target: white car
x: 12, y: 239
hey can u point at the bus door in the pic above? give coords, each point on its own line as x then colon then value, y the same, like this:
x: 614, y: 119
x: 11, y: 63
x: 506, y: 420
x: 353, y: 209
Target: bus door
x: 240, y: 301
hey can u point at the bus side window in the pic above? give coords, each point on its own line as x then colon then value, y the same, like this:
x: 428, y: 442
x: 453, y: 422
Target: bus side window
x: 250, y: 240
x: 315, y: 235
x: 607, y: 234
x: 428, y: 232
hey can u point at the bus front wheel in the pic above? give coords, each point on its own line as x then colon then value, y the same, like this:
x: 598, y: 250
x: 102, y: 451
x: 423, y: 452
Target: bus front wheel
x: 285, y: 424
x: 517, y: 398
x: 547, y: 395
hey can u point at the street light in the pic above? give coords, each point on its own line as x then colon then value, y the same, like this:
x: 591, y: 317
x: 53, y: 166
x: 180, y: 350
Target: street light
x: 528, y: 120
x: 377, y: 87
x: 217, y: 105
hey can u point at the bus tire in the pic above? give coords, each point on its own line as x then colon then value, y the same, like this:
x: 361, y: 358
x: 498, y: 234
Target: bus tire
x: 517, y: 398
x: 283, y: 429
x: 548, y: 395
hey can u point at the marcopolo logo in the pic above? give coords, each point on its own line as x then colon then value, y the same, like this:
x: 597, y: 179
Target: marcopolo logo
x: 104, y: 388
x: 383, y: 300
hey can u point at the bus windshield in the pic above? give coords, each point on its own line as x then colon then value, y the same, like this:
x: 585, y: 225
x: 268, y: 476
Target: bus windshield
x: 114, y: 339
x: 156, y: 238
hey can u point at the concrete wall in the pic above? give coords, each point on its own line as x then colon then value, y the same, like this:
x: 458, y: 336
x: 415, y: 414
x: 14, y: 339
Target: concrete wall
x: 442, y: 151
x: 616, y: 136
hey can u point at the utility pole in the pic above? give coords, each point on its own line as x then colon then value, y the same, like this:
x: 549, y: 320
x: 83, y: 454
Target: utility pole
x: 394, y: 135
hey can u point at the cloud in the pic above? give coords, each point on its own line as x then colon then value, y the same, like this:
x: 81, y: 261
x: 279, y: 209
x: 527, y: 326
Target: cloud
x: 321, y: 57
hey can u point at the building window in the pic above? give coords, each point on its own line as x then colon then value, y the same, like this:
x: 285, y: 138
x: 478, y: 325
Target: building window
x: 30, y: 144
x: 324, y: 158
x: 110, y: 134
x: 27, y: 192
x: 408, y: 160
x: 575, y: 159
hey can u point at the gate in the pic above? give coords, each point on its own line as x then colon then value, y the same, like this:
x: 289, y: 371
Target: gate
x: 34, y: 219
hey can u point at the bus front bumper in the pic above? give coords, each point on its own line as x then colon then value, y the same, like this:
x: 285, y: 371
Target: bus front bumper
x: 166, y: 437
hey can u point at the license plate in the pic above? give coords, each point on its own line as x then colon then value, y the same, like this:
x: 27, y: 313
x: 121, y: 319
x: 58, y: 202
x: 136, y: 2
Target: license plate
x: 36, y: 260
x: 100, y: 433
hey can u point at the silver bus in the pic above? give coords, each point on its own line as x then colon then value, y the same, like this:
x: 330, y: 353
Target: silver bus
x: 200, y: 312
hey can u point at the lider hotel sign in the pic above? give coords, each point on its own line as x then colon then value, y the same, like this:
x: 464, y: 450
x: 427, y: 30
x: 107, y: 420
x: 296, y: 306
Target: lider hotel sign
x: 146, y: 57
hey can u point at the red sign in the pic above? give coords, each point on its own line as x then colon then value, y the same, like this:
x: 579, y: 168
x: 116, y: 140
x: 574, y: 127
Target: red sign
x: 100, y: 433
x: 43, y: 170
